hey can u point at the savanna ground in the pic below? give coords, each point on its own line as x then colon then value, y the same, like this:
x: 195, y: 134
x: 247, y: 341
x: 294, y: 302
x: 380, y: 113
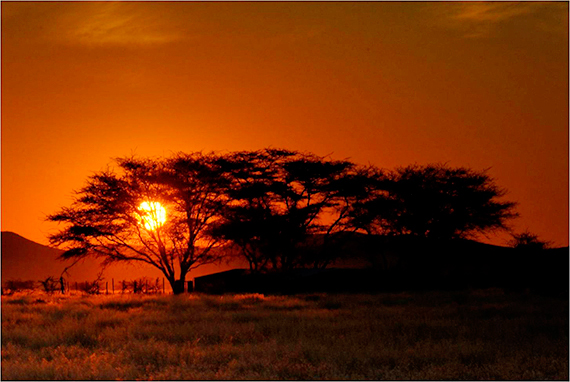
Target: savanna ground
x: 488, y: 334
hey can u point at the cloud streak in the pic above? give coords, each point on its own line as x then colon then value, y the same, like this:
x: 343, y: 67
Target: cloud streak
x: 490, y: 12
x: 482, y: 19
x: 94, y: 24
x: 118, y: 24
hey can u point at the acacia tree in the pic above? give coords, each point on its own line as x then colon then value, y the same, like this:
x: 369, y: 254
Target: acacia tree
x: 251, y: 217
x: 280, y: 201
x: 157, y: 212
x: 528, y: 242
x: 434, y: 201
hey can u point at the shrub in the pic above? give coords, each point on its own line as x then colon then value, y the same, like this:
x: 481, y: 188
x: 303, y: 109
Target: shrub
x: 50, y: 284
x: 528, y: 242
x: 89, y: 287
x: 14, y: 286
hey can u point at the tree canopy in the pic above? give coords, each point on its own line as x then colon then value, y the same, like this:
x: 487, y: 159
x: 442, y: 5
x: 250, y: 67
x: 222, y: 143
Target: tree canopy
x: 282, y: 201
x: 107, y: 218
x: 281, y: 209
x: 528, y: 242
x: 434, y: 201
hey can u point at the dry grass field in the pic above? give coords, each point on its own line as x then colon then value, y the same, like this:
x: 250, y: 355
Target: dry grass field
x: 470, y: 335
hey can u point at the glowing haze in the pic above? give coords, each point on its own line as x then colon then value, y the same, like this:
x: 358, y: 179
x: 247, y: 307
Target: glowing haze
x: 483, y: 85
x: 152, y: 215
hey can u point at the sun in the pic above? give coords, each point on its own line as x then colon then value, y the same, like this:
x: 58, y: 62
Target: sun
x: 152, y: 216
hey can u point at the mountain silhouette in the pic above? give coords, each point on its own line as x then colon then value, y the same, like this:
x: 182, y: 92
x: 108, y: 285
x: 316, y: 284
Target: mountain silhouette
x: 27, y: 260
x: 401, y: 263
x: 374, y: 263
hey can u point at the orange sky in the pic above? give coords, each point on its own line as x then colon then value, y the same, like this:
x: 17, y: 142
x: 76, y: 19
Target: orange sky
x: 472, y: 84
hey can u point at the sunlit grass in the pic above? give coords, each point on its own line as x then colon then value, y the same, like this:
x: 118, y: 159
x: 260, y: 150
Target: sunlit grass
x: 455, y: 335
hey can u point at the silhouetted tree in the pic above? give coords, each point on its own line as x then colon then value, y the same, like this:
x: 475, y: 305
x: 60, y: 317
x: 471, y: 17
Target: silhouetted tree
x: 434, y: 201
x: 350, y: 188
x: 528, y: 242
x: 282, y: 209
x: 108, y: 220
x: 280, y: 200
x: 248, y: 218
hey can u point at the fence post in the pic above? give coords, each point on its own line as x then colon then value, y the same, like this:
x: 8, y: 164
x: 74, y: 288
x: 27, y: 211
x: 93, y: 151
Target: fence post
x: 113, y: 285
x: 106, y: 287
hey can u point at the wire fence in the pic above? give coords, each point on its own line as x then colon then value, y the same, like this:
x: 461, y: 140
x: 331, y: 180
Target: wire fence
x: 143, y: 285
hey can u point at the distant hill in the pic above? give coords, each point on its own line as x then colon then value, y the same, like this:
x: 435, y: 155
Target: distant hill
x: 27, y: 260
x: 369, y: 263
x: 397, y: 262
x: 413, y: 261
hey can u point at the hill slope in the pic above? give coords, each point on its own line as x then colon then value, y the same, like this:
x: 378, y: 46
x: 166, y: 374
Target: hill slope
x: 399, y: 262
x: 27, y: 260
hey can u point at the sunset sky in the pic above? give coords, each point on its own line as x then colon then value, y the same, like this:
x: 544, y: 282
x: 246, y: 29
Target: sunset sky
x: 483, y: 85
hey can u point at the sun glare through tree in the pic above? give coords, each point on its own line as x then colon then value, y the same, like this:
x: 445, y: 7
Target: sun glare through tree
x: 152, y: 215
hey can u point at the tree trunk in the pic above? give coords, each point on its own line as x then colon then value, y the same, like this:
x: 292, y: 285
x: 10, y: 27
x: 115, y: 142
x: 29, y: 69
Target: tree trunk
x: 178, y: 286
